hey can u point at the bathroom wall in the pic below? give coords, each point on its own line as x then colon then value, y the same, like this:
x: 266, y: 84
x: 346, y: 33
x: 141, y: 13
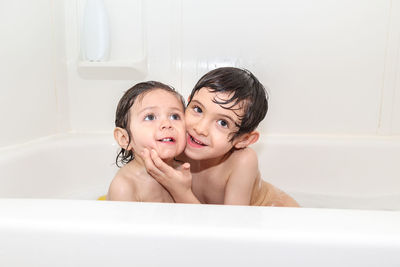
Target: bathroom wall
x: 33, y: 90
x: 139, y: 30
x: 331, y: 67
x: 322, y: 60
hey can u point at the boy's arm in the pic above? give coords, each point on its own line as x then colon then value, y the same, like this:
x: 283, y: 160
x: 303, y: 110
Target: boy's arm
x: 244, y: 174
x: 178, y: 182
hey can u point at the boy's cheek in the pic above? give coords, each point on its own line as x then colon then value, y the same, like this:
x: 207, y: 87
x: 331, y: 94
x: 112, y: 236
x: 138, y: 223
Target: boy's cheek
x: 149, y: 144
x: 188, y: 117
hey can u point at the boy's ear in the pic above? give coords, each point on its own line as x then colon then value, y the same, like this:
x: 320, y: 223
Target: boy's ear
x: 246, y: 140
x: 122, y: 138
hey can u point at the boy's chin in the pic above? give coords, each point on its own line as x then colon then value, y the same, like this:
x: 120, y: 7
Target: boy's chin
x: 203, y: 155
x: 192, y: 155
x: 166, y: 156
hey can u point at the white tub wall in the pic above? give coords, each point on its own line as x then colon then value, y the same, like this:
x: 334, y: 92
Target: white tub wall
x: 33, y: 89
x: 331, y: 66
x: 318, y: 57
x: 390, y: 111
x: 326, y: 63
x: 158, y: 24
x: 323, y: 60
x: 60, y: 67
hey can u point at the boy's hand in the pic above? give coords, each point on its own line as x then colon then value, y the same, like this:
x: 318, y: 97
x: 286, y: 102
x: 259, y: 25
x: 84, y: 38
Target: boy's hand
x: 178, y: 182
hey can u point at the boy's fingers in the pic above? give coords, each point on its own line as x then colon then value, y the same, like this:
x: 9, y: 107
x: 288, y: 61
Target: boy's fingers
x: 186, y: 166
x: 160, y: 164
x: 147, y: 159
x: 149, y: 164
x: 186, y: 170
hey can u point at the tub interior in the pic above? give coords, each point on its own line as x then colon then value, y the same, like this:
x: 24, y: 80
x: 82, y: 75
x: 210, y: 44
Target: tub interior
x: 344, y: 173
x: 358, y: 172
x: 61, y: 167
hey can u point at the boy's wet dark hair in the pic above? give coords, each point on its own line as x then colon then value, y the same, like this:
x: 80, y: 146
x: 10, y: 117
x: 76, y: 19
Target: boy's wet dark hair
x: 122, y: 114
x: 245, y: 90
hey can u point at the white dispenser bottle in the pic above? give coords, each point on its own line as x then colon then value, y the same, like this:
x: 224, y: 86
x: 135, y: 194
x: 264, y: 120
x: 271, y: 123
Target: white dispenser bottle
x: 95, y: 45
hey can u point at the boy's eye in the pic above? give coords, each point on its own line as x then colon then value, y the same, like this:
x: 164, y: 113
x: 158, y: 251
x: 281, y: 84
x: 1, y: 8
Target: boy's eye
x: 149, y: 117
x: 175, y: 117
x: 197, y: 109
x: 223, y: 123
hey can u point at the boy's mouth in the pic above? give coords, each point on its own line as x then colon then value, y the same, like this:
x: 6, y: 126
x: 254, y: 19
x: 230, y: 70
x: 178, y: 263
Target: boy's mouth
x: 194, y: 142
x: 167, y: 140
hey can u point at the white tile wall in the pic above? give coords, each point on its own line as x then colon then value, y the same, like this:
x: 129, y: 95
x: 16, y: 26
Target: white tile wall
x: 93, y: 102
x: 60, y: 67
x: 322, y: 60
x: 28, y: 107
x: 331, y: 66
x: 390, y: 107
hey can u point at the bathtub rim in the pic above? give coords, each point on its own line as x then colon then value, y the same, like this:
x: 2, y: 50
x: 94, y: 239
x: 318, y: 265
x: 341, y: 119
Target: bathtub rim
x: 45, y: 230
x: 319, y: 220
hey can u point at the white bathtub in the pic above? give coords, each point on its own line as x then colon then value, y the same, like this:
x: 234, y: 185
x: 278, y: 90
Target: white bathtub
x: 48, y: 216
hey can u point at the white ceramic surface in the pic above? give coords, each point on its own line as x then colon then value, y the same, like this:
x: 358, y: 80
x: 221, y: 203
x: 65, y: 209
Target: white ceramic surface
x: 49, y: 216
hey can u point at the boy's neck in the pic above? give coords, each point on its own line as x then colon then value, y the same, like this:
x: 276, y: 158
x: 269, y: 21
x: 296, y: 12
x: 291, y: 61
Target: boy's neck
x: 200, y: 165
x: 140, y: 162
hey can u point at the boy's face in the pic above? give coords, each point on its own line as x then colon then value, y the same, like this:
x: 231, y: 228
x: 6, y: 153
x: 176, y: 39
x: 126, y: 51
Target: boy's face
x: 209, y: 126
x: 157, y: 122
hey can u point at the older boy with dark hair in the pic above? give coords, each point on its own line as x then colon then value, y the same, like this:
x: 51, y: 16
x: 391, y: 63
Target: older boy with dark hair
x: 224, y: 110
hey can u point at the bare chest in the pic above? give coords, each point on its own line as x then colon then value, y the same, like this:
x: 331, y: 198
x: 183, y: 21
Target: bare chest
x: 209, y: 186
x: 152, y: 191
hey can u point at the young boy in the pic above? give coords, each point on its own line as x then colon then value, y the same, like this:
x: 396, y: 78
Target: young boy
x: 224, y: 109
x: 150, y: 114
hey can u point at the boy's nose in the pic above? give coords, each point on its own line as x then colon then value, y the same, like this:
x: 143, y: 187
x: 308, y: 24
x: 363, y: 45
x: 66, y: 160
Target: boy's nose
x: 201, y: 127
x: 165, y: 124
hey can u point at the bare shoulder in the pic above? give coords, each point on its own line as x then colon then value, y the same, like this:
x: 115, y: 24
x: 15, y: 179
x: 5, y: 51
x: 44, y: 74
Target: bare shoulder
x: 244, y: 174
x: 123, y: 188
x: 244, y: 158
x: 244, y: 165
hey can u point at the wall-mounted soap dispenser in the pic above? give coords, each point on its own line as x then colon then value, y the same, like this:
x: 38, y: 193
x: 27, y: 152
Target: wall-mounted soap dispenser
x: 95, y: 40
x: 100, y: 60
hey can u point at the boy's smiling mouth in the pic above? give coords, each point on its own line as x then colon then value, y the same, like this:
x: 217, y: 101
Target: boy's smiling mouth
x: 167, y: 140
x: 194, y: 142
